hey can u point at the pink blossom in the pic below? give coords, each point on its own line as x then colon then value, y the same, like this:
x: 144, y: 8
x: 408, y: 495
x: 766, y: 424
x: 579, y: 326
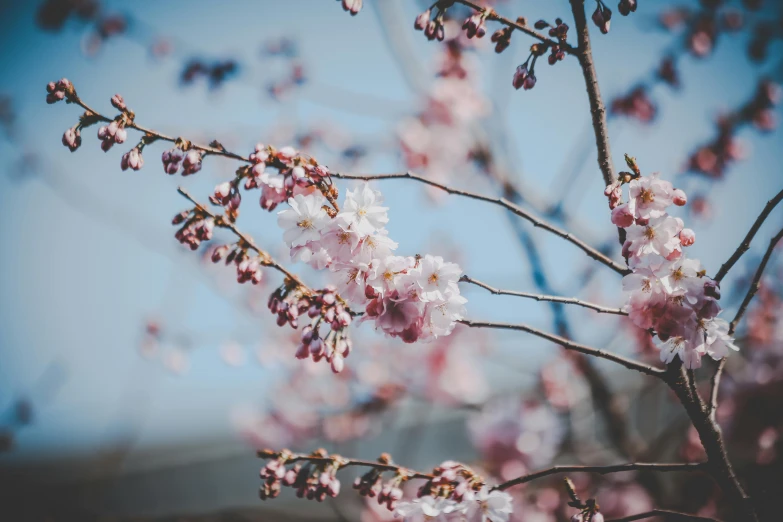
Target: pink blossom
x: 304, y: 220
x: 394, y: 313
x: 622, y: 216
x: 437, y: 278
x: 650, y: 196
x: 362, y: 210
x: 660, y: 236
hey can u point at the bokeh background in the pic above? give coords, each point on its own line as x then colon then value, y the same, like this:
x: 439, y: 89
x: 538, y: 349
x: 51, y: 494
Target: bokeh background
x: 136, y: 379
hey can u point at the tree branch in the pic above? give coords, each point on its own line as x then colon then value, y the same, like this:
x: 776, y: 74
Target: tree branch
x: 549, y: 298
x: 150, y: 132
x: 503, y: 202
x: 221, y: 222
x: 569, y: 345
x: 754, y: 286
x: 665, y: 513
x: 603, y: 470
x: 745, y: 245
x: 597, y: 109
x: 712, y: 440
x: 715, y: 383
x: 524, y: 28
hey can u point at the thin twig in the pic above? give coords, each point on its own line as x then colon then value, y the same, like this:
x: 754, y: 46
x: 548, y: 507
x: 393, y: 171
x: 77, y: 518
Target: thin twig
x: 666, y: 514
x: 565, y: 343
x: 204, y: 148
x: 541, y: 297
x: 715, y: 383
x: 603, y: 470
x: 503, y: 202
x: 510, y: 23
x: 221, y: 222
x: 745, y: 245
x: 754, y: 286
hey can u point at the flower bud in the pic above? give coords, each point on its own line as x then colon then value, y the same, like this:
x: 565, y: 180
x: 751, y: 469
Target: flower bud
x: 422, y: 20
x: 679, y: 198
x: 687, y: 237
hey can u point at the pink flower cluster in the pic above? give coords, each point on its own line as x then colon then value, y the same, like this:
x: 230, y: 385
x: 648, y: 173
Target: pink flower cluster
x: 175, y: 158
x: 196, y: 228
x: 314, y: 482
x: 413, y: 298
x: 112, y: 133
x: 434, y: 29
x: 456, y: 493
x: 56, y: 91
x: 668, y: 292
x: 282, y: 174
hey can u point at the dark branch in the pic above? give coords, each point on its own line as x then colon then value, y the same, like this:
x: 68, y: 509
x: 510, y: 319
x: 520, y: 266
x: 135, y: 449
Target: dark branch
x: 597, y: 108
x: 743, y: 247
x: 603, y: 470
x: 756, y: 283
x: 569, y: 345
x: 542, y: 297
x: 666, y: 514
x: 503, y: 202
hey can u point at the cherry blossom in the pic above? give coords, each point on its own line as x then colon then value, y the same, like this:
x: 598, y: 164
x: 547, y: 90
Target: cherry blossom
x: 362, y: 211
x: 437, y: 278
x: 303, y: 221
x: 668, y: 293
x: 659, y: 237
x: 425, y: 509
x: 489, y: 506
x: 650, y: 196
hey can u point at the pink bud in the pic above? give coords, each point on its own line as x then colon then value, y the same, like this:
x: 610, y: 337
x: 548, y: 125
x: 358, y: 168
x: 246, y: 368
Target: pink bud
x: 622, y: 216
x: 286, y: 154
x: 520, y: 75
x: 338, y: 363
x: 687, y: 237
x: 422, y: 20
x: 679, y: 198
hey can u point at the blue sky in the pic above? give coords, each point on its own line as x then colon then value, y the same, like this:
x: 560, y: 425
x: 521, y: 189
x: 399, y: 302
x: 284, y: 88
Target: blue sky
x: 89, y: 253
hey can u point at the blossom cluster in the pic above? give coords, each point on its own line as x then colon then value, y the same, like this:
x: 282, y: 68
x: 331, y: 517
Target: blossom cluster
x: 668, y: 292
x: 413, y: 298
x: 456, y: 492
x: 311, y: 481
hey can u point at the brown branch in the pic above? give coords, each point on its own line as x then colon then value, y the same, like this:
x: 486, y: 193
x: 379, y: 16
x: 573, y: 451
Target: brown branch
x: 597, y: 109
x: 745, y: 245
x: 569, y: 345
x: 542, y: 297
x: 603, y: 470
x: 132, y: 125
x: 492, y: 15
x: 389, y: 466
x: 666, y: 514
x: 344, y: 462
x: 221, y: 222
x: 756, y: 283
x: 715, y: 383
x: 503, y: 202
x: 711, y: 438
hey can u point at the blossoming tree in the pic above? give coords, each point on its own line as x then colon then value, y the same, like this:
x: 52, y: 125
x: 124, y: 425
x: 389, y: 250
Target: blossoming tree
x: 671, y: 298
